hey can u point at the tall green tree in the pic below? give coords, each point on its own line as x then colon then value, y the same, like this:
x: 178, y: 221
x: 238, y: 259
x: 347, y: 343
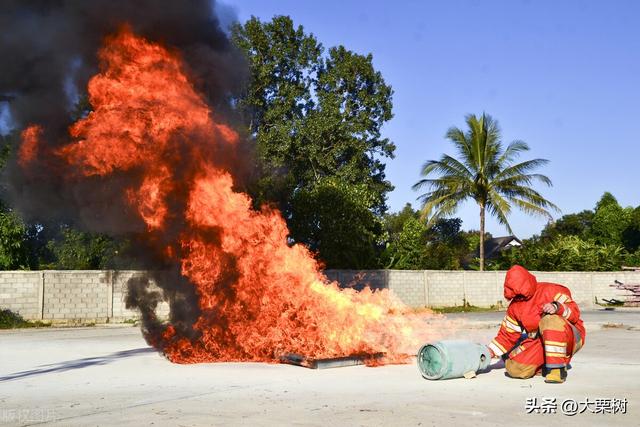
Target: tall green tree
x: 610, y: 220
x: 485, y: 171
x: 313, y: 114
x: 316, y: 117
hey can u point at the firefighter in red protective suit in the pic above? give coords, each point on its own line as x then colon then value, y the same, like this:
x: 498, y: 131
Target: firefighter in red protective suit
x: 542, y: 329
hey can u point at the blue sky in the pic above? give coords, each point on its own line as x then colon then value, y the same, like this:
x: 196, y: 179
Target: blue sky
x: 561, y: 75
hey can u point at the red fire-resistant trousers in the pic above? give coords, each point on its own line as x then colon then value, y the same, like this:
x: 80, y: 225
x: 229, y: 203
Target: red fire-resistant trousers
x: 557, y: 341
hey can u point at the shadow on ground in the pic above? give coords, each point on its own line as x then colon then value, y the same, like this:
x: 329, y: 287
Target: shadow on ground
x: 77, y: 364
x: 496, y: 365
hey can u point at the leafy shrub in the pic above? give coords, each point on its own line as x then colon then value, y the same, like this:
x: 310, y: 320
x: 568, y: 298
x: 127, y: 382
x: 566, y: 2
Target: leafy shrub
x: 10, y: 319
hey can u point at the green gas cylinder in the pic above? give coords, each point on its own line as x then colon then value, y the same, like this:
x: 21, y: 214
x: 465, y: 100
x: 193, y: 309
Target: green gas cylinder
x: 452, y: 359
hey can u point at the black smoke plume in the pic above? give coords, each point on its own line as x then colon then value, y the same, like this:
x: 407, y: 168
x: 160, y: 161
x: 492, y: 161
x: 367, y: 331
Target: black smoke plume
x: 48, y: 51
x: 47, y: 45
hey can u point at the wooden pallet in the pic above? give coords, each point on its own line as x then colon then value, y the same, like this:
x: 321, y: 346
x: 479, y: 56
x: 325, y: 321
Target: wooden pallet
x: 632, y: 299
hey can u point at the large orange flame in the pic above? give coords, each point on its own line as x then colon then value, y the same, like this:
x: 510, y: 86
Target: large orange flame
x: 259, y: 298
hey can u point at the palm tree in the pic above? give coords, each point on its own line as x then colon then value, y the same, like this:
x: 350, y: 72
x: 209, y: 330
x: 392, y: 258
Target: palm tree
x: 485, y: 172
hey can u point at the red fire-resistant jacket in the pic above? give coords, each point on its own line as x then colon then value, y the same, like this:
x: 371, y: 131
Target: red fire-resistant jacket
x: 525, y: 311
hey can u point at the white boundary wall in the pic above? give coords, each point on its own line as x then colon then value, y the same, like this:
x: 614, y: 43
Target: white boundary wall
x: 98, y: 296
x: 444, y: 288
x: 69, y: 295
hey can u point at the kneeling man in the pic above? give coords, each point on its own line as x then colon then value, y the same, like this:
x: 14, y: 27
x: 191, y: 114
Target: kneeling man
x: 542, y: 329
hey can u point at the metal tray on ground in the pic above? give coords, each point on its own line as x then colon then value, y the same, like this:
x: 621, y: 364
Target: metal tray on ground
x: 335, y: 362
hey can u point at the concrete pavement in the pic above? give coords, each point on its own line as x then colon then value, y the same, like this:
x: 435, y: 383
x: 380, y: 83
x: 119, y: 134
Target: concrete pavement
x: 109, y: 376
